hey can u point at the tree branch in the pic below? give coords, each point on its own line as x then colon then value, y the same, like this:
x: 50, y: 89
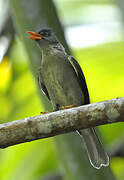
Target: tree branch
x: 60, y: 122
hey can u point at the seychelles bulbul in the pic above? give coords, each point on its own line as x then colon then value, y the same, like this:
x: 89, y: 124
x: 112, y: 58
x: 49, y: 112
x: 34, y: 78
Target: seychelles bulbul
x: 62, y: 80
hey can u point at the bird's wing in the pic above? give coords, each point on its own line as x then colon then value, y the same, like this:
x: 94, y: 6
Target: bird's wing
x: 80, y: 77
x: 41, y: 84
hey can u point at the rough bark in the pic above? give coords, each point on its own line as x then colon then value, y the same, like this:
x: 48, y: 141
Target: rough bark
x: 61, y: 122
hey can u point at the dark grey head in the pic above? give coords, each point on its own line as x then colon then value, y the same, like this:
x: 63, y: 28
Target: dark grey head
x: 44, y: 37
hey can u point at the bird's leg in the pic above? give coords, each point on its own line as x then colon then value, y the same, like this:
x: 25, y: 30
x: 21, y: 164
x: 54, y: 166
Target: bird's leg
x: 61, y: 108
x: 67, y: 107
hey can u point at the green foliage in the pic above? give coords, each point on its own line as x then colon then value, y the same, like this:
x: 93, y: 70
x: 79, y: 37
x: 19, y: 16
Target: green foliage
x: 28, y: 161
x: 118, y: 167
x: 103, y: 68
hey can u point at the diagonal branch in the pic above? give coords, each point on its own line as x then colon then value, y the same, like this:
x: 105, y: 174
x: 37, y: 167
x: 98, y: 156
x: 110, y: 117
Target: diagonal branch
x: 60, y: 122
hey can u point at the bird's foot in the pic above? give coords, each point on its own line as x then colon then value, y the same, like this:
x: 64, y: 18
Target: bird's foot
x: 61, y: 108
x: 44, y: 112
x: 67, y: 107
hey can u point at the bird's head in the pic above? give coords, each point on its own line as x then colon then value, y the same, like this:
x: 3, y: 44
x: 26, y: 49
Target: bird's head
x: 45, y: 37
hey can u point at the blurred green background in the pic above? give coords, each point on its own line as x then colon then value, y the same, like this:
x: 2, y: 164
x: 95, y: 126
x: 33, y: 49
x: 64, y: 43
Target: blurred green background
x: 94, y: 32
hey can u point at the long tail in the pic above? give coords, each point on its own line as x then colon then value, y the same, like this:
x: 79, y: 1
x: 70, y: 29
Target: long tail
x: 96, y: 153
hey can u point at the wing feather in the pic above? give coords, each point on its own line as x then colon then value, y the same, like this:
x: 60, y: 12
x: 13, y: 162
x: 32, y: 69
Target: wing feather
x: 41, y: 84
x: 80, y: 77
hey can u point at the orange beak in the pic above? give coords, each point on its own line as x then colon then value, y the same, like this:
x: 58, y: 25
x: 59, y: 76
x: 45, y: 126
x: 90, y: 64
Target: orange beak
x: 34, y: 35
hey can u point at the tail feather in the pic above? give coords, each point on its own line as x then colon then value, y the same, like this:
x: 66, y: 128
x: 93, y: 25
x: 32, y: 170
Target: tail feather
x: 96, y: 153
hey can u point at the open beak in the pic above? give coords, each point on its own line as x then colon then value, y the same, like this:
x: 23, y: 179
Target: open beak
x: 34, y: 35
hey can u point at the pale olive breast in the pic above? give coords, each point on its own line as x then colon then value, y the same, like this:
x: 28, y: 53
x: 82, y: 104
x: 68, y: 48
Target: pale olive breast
x: 61, y: 81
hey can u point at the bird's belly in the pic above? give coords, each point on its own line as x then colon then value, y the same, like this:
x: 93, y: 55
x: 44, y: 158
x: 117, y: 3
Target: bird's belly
x: 63, y: 87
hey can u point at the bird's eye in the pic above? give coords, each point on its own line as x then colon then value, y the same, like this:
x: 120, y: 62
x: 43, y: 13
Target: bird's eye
x: 45, y: 33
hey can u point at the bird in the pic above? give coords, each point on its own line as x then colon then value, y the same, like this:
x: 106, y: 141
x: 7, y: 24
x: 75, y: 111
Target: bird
x: 62, y: 80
